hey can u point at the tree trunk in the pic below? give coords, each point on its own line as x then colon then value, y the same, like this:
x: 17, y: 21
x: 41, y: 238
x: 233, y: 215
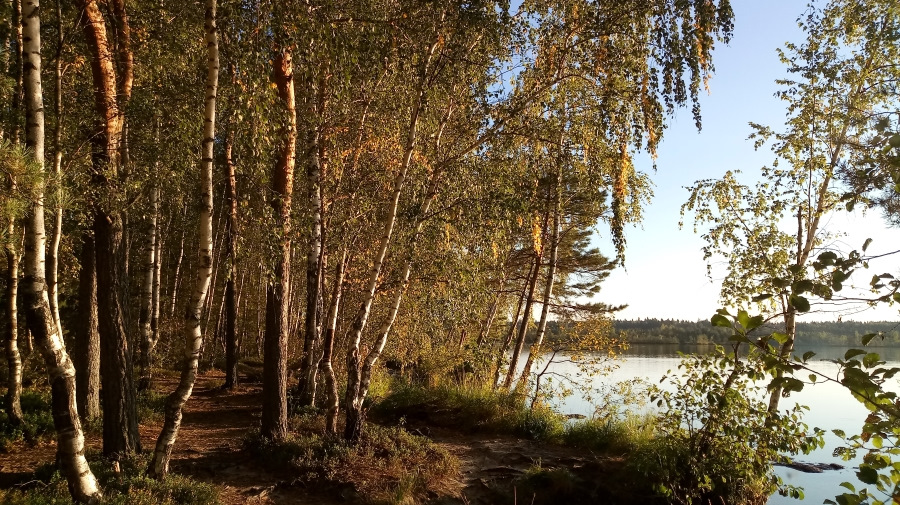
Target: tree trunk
x: 149, y: 273
x: 365, y: 376
x: 120, y: 433
x: 159, y: 464
x: 53, y: 252
x: 307, y: 373
x: 70, y: 439
x: 492, y: 313
x: 120, y: 427
x: 326, y: 369
x: 504, y: 348
x: 352, y: 399
x: 19, y: 89
x: 13, y: 358
x: 523, y: 329
x: 535, y: 351
x: 790, y: 329
x: 232, y: 345
x: 86, y: 349
x: 278, y: 292
x: 157, y: 272
x: 177, y: 277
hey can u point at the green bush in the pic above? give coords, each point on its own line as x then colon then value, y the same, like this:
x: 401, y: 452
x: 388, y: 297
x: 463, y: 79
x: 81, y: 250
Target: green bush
x: 716, y: 441
x: 388, y: 465
x: 131, y: 486
x: 38, y: 420
x: 151, y: 406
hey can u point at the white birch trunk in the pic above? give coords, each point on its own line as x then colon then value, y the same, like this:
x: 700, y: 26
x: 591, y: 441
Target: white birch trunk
x: 70, y: 439
x: 148, y: 269
x: 353, y: 403
x: 159, y: 464
x: 504, y: 347
x: 53, y: 253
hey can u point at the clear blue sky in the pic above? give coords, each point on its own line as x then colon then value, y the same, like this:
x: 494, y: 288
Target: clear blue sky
x: 666, y: 275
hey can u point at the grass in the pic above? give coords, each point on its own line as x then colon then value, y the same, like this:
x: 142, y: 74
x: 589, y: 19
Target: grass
x: 151, y: 406
x: 131, y: 486
x: 38, y: 421
x: 388, y: 465
x: 610, y: 435
x: 470, y: 410
x: 481, y: 410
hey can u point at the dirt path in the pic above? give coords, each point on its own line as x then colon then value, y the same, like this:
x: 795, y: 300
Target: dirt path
x: 209, y: 449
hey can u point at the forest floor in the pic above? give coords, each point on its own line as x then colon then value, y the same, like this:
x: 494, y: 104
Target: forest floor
x: 492, y: 469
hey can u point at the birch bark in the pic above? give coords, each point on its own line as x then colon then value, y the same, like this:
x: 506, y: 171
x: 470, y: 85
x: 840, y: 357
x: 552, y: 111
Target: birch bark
x: 147, y: 342
x: 504, y: 347
x: 526, y: 320
x: 69, y: 436
x: 352, y: 400
x: 159, y: 464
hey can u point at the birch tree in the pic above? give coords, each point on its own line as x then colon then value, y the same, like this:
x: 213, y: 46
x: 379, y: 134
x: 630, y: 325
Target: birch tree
x: 70, y: 438
x: 159, y: 464
x: 770, y: 233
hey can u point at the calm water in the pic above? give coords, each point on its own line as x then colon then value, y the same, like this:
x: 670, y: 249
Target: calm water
x: 830, y: 407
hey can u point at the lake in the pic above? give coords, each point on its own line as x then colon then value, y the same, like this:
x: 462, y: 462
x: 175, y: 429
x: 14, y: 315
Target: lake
x: 830, y: 407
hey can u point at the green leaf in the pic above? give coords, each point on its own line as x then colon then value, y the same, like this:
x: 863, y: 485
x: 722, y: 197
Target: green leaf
x: 866, y: 244
x: 812, y: 377
x: 720, y: 320
x: 764, y: 296
x: 803, y: 286
x: 800, y: 303
x: 868, y: 338
x: 828, y: 257
x: 867, y: 474
x: 781, y: 338
x: 848, y: 486
x: 852, y: 353
x: 807, y: 355
x: 871, y: 359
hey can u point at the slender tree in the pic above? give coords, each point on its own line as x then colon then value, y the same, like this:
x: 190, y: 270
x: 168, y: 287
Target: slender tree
x: 159, y: 464
x: 70, y: 438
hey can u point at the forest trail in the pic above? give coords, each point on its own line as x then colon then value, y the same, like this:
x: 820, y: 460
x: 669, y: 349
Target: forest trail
x: 209, y: 449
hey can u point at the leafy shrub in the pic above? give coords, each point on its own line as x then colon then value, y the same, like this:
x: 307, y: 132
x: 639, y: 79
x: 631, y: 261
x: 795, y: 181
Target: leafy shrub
x: 388, y: 465
x: 38, y: 420
x: 131, y: 486
x: 716, y: 440
x: 151, y: 405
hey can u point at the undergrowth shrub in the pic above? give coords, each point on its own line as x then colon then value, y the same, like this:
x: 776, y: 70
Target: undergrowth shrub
x: 716, y: 441
x: 130, y: 486
x: 38, y: 420
x: 151, y: 405
x: 388, y: 465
